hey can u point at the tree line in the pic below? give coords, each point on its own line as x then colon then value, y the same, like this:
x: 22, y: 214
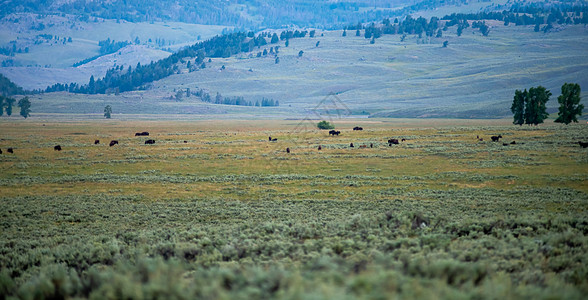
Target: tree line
x: 118, y: 79
x: 529, y: 107
x: 236, y: 100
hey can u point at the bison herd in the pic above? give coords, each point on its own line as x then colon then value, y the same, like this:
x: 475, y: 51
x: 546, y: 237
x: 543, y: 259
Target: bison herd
x: 392, y: 141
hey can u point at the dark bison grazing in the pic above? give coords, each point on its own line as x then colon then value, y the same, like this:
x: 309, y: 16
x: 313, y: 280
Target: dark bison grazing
x: 57, y: 148
x: 9, y: 150
x: 372, y: 145
x: 1, y: 150
x: 496, y: 138
x: 287, y: 150
x: 351, y: 145
x: 393, y: 141
x: 96, y: 142
x: 112, y: 143
x: 144, y: 133
x: 513, y: 143
x: 357, y: 128
x: 149, y: 142
x: 185, y: 142
x: 319, y: 147
x: 272, y: 140
x: 403, y: 140
x: 584, y: 145
x: 505, y: 144
x: 334, y: 132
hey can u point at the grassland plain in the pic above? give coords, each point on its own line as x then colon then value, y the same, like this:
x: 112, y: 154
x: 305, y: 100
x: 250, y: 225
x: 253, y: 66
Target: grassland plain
x: 214, y: 210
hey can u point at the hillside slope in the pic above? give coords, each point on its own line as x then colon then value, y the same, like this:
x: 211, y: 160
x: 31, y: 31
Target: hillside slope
x: 474, y: 76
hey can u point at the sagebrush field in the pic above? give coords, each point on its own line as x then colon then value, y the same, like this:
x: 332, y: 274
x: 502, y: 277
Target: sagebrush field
x: 213, y: 210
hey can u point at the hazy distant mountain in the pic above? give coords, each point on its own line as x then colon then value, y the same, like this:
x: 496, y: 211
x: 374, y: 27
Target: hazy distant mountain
x: 241, y: 14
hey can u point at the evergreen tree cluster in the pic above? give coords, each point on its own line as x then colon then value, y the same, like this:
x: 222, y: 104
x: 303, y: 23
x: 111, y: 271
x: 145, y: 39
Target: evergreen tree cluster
x: 237, y: 100
x: 9, y: 88
x: 119, y: 79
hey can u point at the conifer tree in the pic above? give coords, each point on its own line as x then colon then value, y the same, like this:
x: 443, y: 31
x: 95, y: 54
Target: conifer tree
x: 569, y: 104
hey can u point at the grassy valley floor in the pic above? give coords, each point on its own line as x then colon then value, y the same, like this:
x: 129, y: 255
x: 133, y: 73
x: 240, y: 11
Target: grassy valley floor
x: 214, y: 210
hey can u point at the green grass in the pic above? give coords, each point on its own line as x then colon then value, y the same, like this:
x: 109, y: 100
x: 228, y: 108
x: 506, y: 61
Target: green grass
x: 229, y: 215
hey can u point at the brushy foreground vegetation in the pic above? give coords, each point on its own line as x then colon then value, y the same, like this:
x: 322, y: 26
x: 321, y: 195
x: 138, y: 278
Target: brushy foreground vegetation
x: 214, y: 210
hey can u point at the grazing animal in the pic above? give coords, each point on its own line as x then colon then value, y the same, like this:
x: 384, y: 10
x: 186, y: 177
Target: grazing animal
x: 393, y: 141
x: 320, y: 148
x: 185, y: 142
x: 274, y: 139
x: 287, y: 150
x: 112, y: 143
x: 477, y: 137
x: 351, y: 145
x: 513, y: 143
x: 96, y: 142
x: 496, y: 138
x: 584, y: 145
x: 9, y: 150
x: 403, y: 140
x: 334, y: 132
x: 57, y: 148
x: 504, y: 144
x: 481, y: 140
x: 363, y: 146
x: 371, y: 145
x: 357, y: 128
x: 0, y: 151
x: 144, y: 133
x: 149, y: 142
x: 269, y: 138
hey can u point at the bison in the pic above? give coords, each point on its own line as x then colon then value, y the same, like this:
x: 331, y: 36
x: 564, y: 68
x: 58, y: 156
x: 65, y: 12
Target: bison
x: 371, y: 145
x: 0, y: 151
x: 363, y: 146
x: 144, y: 133
x: 287, y: 150
x: 9, y: 150
x: 319, y: 147
x: 334, y: 132
x: 273, y: 139
x: 149, y: 142
x: 357, y: 128
x: 113, y: 142
x: 96, y: 142
x: 57, y: 148
x: 351, y: 145
x: 583, y: 145
x: 513, y: 143
x: 496, y: 138
x: 393, y: 141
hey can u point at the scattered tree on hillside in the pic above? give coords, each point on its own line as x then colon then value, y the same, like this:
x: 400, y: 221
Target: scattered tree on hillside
x: 535, y: 108
x: 25, y: 107
x: 445, y: 44
x: 275, y: 38
x: 569, y: 104
x: 107, y: 111
x: 287, y: 43
x: 325, y: 125
x: 518, y: 107
x: 300, y: 53
x: 318, y: 43
x: 277, y: 60
x: 344, y: 33
x: 1, y: 105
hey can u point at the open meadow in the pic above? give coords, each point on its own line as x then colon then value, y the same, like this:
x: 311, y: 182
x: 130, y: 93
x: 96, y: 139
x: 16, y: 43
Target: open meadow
x: 213, y: 210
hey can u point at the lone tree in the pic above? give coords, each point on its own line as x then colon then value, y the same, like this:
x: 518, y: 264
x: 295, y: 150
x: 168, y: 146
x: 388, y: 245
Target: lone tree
x: 325, y: 125
x: 25, y: 107
x: 9, y: 102
x: 107, y: 111
x: 300, y: 53
x: 518, y: 107
x: 569, y: 104
x: 535, y: 109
